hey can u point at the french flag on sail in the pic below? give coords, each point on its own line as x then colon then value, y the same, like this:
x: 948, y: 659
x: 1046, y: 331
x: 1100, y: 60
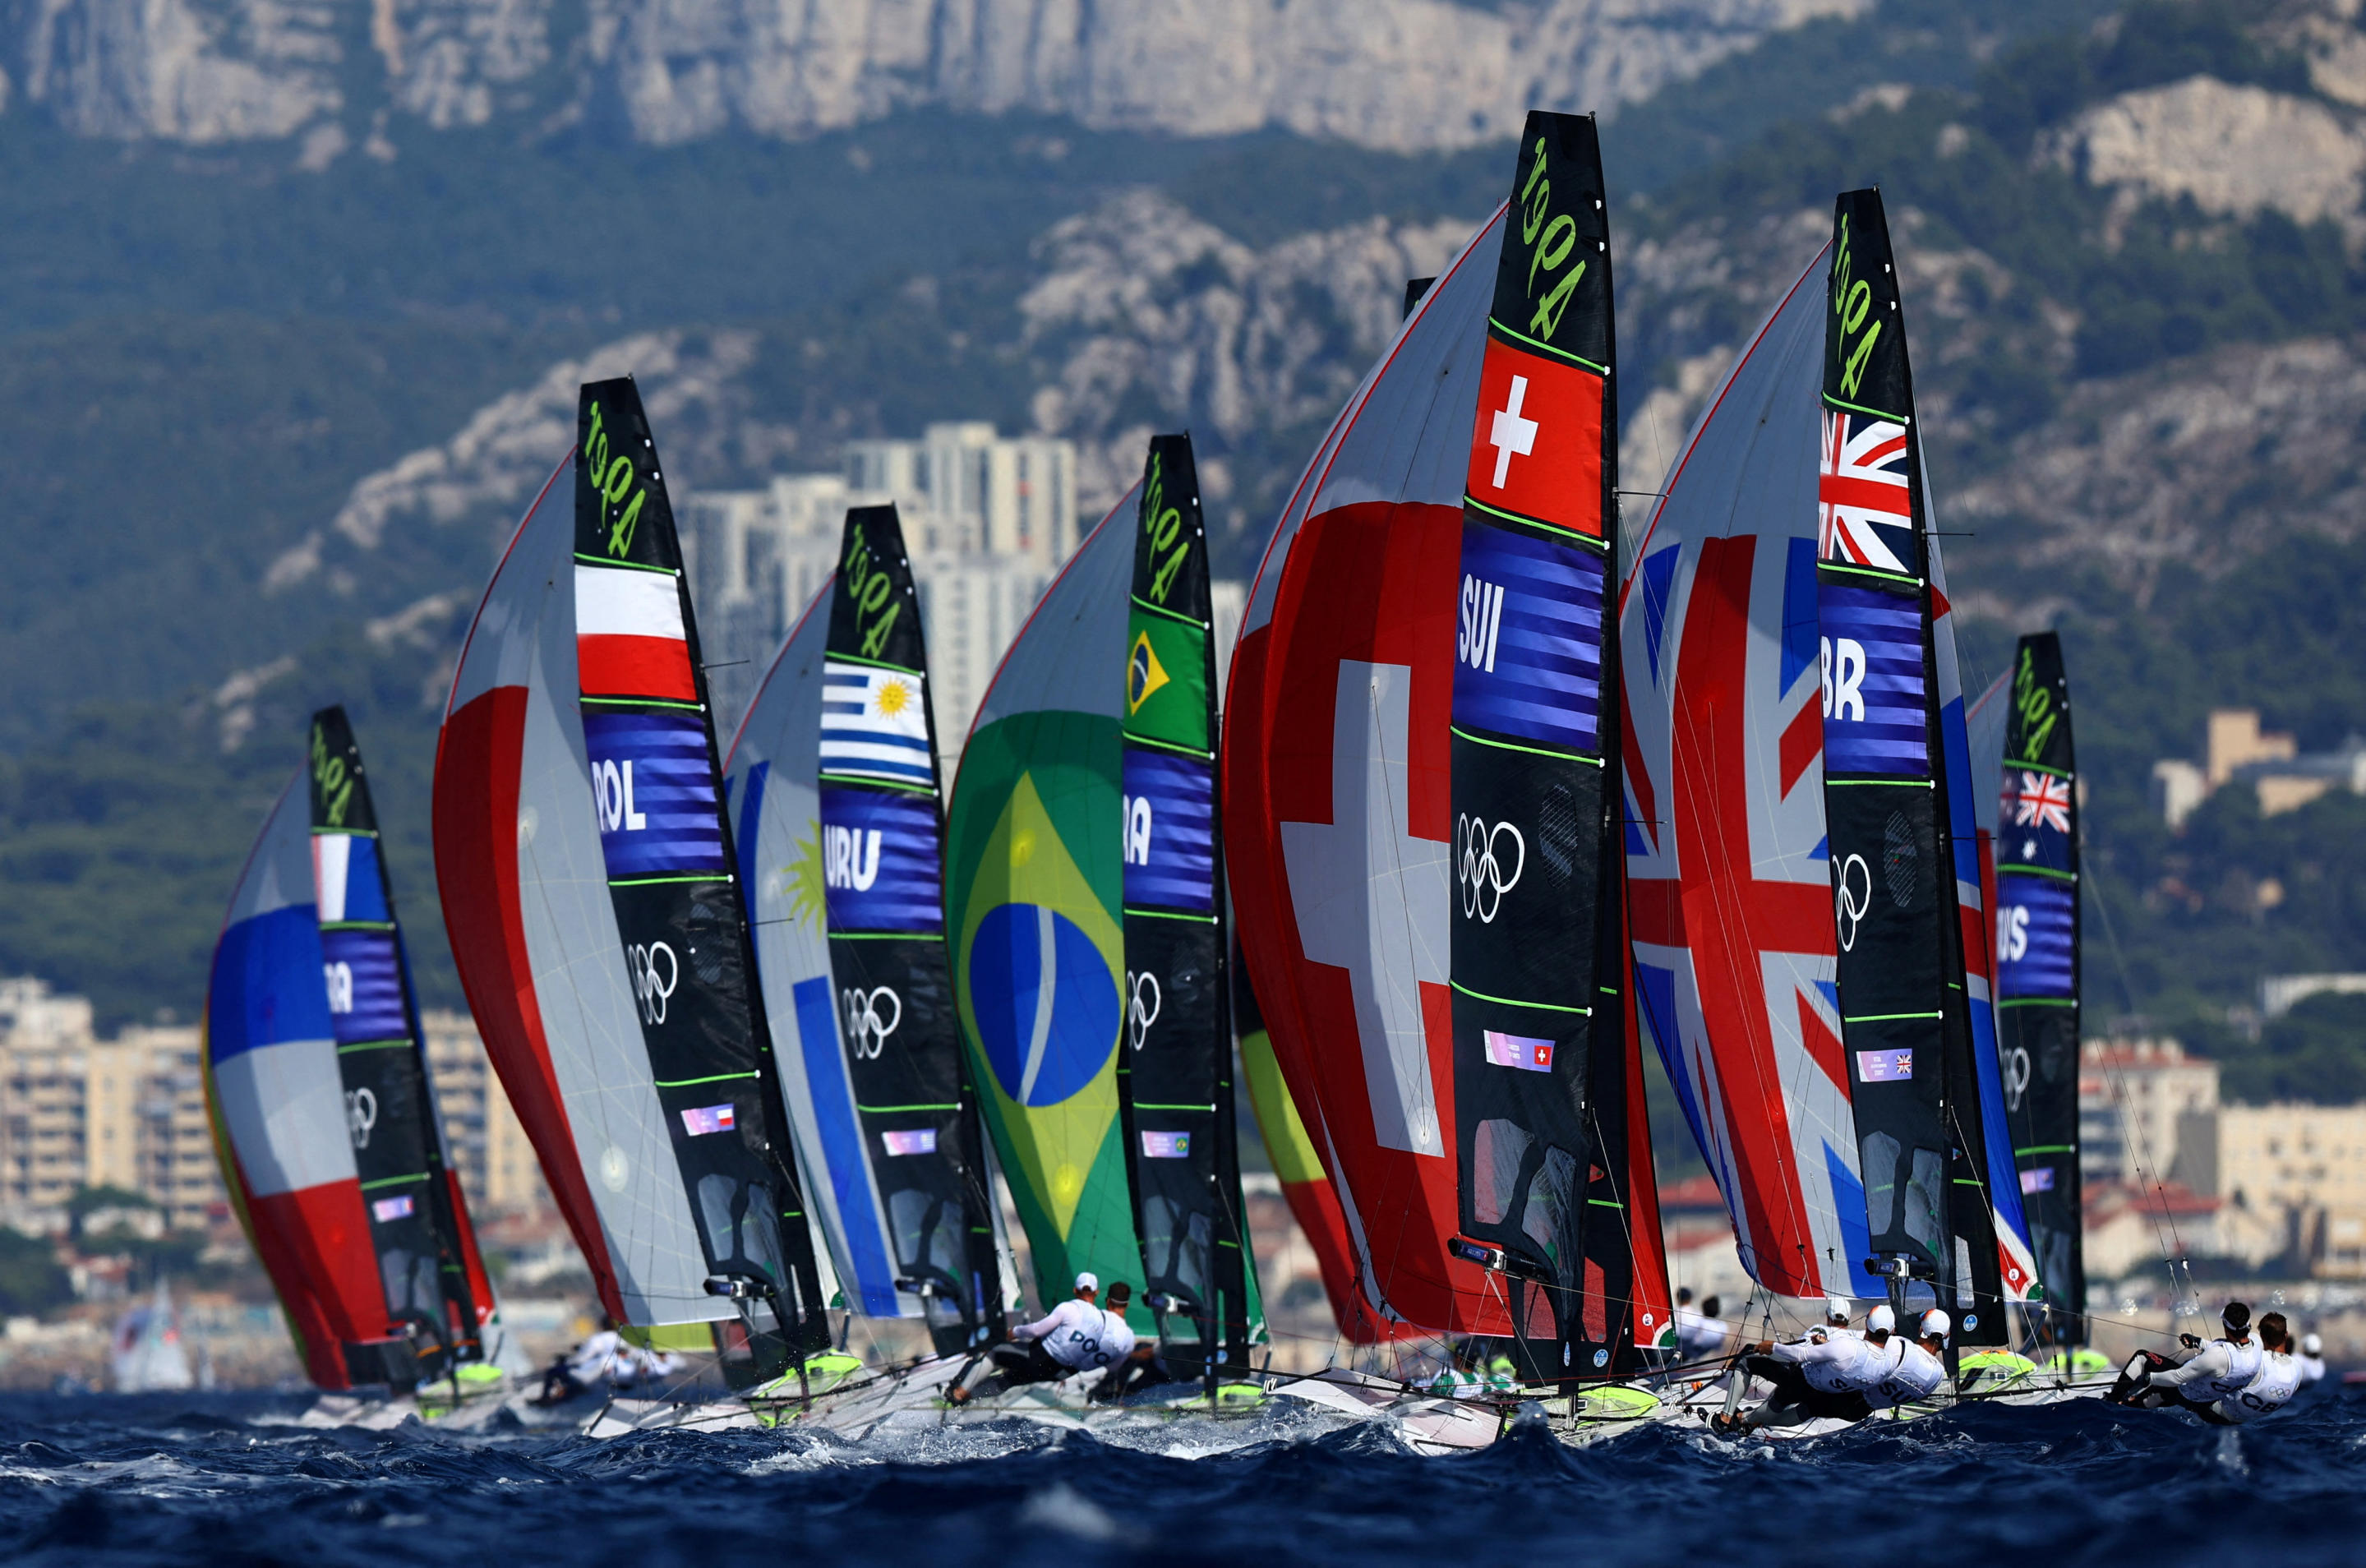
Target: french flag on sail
x: 628, y: 634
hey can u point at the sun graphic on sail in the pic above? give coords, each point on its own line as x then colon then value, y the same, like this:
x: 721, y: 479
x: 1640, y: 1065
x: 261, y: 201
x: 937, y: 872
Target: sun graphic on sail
x: 893, y: 697
x: 805, y: 878
x: 1143, y: 674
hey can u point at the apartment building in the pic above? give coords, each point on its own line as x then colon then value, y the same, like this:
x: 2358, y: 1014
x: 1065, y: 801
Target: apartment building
x: 499, y: 1173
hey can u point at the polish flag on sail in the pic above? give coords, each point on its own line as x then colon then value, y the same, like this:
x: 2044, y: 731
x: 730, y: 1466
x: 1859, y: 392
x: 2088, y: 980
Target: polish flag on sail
x: 628, y: 636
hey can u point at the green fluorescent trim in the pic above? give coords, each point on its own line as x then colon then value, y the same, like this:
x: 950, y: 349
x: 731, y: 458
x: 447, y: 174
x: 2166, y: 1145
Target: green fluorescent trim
x: 1898, y: 783
x: 1869, y: 571
x: 1170, y: 915
x: 2014, y: 865
x: 1145, y: 1105
x: 874, y: 663
x: 692, y: 1083
x: 1602, y: 370
x: 1508, y: 1001
x: 1170, y: 615
x: 870, y: 783
x: 1197, y: 753
x: 2037, y: 1002
x: 1877, y: 414
x: 1576, y: 534
x: 653, y: 881
x: 858, y: 936
x: 1605, y: 1203
x: 357, y: 925
x: 345, y: 832
x: 645, y: 703
x: 2037, y: 767
x: 1883, y: 1017
x: 891, y: 1110
x: 2049, y: 1149
x: 1532, y: 751
x: 1608, y: 991
x: 374, y: 1045
x: 629, y: 565
x: 395, y: 1180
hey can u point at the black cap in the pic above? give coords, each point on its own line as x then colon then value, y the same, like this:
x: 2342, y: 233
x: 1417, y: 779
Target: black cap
x: 2236, y: 1317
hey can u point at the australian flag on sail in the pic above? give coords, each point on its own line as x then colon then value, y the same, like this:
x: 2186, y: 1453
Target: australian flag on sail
x: 1863, y: 516
x: 879, y: 862
x: 1170, y: 857
x: 2036, y: 918
x: 874, y: 723
x: 1528, y: 644
x: 654, y: 789
x: 1874, y: 717
x: 364, y: 985
x: 2034, y: 821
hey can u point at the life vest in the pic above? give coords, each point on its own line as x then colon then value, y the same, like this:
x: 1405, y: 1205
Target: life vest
x: 1915, y: 1374
x: 2278, y: 1379
x: 2242, y: 1366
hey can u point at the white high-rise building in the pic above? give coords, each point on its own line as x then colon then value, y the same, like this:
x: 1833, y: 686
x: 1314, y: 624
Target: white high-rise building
x: 967, y: 490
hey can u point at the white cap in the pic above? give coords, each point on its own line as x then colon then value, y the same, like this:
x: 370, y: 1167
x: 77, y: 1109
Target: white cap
x: 1089, y: 1281
x: 1935, y: 1323
x: 1881, y: 1320
x: 2312, y: 1344
x: 1835, y: 1307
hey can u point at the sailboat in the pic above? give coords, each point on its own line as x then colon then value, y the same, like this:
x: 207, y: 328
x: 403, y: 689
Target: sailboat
x: 1475, y: 1101
x: 598, y: 918
x: 324, y: 1118
x: 833, y: 780
x: 146, y: 1355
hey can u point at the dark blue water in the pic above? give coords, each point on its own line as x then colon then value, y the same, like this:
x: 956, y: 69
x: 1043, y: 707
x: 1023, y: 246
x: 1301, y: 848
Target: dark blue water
x: 217, y: 1478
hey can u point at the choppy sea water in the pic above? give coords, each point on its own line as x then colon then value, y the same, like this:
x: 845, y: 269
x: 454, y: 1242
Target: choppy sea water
x: 223, y: 1478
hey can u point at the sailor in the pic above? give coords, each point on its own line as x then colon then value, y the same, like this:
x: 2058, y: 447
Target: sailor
x: 2199, y: 1379
x: 592, y: 1362
x: 1836, y: 1320
x: 1822, y: 1376
x: 2310, y: 1358
x: 1074, y: 1337
x: 1699, y: 1334
x: 1142, y: 1366
x: 1913, y: 1369
x: 1460, y: 1378
x: 2279, y: 1376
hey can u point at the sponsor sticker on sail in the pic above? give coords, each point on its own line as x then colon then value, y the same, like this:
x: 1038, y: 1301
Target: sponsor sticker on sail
x: 1525, y: 1051
x: 2037, y: 1179
x: 1166, y: 1146
x: 701, y: 1120
x: 910, y: 1140
x: 387, y: 1209
x: 1885, y: 1066
x: 874, y: 723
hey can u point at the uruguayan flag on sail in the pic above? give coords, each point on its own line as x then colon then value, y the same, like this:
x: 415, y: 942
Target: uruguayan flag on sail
x: 874, y: 723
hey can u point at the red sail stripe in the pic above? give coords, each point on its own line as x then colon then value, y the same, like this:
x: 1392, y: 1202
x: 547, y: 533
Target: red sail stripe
x: 635, y: 667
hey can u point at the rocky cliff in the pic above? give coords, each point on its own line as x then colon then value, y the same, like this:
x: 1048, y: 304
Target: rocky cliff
x: 1390, y: 73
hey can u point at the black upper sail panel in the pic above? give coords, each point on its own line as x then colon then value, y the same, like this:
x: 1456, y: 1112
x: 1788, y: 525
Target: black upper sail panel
x: 1175, y: 1075
x: 649, y: 737
x: 416, y: 1226
x: 2037, y: 973
x: 1536, y: 848
x: 883, y: 893
x: 1905, y: 1028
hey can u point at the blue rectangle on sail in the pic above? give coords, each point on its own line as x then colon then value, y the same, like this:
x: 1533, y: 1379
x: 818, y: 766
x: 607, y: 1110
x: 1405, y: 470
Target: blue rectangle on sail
x: 365, y: 979
x: 267, y: 984
x: 653, y: 786
x: 2036, y: 921
x: 841, y: 1148
x: 1528, y: 640
x: 1875, y: 719
x: 1170, y: 837
x: 879, y: 862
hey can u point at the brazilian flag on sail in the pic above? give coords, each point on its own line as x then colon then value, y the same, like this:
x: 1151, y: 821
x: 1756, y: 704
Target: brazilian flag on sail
x: 1034, y: 906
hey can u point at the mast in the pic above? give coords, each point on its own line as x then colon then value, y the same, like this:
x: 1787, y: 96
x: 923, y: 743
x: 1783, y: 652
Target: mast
x: 879, y: 842
x: 1906, y: 1026
x: 1174, y: 1073
x: 2037, y: 973
x: 1538, y: 1039
x: 434, y: 1282
x: 665, y: 839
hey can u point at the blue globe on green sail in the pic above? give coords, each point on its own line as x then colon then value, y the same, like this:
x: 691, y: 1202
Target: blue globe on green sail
x: 1044, y: 1002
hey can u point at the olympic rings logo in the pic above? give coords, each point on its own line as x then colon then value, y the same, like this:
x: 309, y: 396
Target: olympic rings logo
x: 1849, y: 906
x: 1478, y: 865
x: 1143, y: 1000
x: 361, y: 1115
x: 649, y: 991
x: 867, y: 1028
x: 2016, y: 1077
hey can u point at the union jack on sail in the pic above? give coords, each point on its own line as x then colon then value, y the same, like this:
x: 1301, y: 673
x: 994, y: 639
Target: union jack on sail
x: 1862, y: 512
x: 2043, y: 801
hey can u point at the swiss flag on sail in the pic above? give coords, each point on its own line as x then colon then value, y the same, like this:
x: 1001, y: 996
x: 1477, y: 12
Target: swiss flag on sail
x: 1536, y: 447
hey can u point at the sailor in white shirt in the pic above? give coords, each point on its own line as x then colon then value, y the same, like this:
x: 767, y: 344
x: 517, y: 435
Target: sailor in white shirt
x: 1074, y: 1337
x: 1699, y: 1334
x: 1822, y: 1376
x: 2197, y: 1380
x: 1914, y: 1370
x: 2279, y: 1376
x: 1836, y: 1321
x: 2310, y: 1358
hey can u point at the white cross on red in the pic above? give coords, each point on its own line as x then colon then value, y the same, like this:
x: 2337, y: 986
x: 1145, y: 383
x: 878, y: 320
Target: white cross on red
x: 1510, y: 435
